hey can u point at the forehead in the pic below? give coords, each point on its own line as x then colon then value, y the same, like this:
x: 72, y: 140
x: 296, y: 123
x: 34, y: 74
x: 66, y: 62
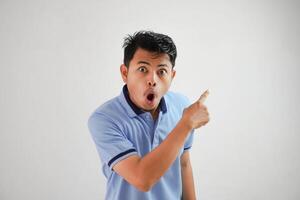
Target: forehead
x: 151, y: 57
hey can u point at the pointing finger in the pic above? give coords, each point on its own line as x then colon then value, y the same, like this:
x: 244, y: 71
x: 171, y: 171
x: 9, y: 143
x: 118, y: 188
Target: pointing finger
x: 203, y: 96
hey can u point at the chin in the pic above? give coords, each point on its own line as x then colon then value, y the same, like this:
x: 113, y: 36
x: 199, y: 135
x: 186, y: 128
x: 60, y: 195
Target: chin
x: 149, y: 109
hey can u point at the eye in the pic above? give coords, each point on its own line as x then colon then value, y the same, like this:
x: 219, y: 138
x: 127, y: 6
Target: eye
x: 162, y: 72
x: 142, y: 69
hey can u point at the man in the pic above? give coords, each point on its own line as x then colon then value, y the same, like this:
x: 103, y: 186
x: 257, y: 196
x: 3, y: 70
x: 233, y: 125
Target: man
x: 143, y: 136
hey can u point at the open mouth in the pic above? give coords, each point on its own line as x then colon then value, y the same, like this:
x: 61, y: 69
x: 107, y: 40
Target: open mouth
x: 150, y: 97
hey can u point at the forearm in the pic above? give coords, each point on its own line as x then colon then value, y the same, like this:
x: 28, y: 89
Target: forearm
x: 188, y: 188
x: 158, y: 161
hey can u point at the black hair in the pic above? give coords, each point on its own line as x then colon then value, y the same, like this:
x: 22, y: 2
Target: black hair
x: 150, y: 41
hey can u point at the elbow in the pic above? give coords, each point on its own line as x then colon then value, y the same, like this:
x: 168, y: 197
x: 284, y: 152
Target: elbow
x: 143, y: 188
x: 144, y: 183
x: 144, y: 180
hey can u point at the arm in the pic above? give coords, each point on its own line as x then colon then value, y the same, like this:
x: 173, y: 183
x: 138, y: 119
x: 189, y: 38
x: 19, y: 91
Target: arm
x: 144, y: 172
x: 188, y: 188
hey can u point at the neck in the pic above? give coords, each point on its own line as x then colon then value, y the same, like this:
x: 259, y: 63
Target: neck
x: 154, y: 113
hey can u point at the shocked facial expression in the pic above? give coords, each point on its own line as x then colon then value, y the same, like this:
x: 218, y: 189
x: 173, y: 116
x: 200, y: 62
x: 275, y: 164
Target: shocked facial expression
x: 148, y: 78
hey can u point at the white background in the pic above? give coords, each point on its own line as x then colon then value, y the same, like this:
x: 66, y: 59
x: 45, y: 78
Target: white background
x: 59, y: 60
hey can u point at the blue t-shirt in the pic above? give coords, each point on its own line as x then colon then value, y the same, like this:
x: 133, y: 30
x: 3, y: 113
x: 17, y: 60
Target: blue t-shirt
x: 120, y: 129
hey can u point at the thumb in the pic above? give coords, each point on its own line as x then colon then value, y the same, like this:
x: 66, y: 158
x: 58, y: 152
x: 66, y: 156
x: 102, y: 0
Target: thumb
x: 203, y: 96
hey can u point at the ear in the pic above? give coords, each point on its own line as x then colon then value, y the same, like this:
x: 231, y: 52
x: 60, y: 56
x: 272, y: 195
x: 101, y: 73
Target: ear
x: 173, y: 73
x: 124, y: 72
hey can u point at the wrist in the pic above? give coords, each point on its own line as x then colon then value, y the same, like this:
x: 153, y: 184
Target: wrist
x: 185, y: 125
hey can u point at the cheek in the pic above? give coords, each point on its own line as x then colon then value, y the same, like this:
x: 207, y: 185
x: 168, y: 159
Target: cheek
x: 134, y: 77
x: 166, y: 83
x: 136, y: 88
x: 167, y: 80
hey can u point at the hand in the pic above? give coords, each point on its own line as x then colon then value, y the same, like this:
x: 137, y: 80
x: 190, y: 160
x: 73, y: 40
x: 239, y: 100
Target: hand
x: 196, y: 115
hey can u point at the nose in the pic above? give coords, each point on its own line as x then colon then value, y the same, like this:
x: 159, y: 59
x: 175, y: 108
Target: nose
x: 152, y: 84
x: 151, y: 81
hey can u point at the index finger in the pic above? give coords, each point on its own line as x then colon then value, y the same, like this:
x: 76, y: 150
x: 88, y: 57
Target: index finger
x: 203, y: 96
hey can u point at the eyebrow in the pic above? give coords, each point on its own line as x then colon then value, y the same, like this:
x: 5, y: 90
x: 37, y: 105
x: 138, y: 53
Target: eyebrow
x: 160, y: 65
x: 143, y: 62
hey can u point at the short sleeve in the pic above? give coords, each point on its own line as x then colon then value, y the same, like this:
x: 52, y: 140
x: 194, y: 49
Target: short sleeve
x: 111, y: 143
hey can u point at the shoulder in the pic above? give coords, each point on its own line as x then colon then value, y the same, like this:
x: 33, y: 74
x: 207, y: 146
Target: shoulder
x: 176, y: 103
x: 110, y: 113
x: 177, y: 99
